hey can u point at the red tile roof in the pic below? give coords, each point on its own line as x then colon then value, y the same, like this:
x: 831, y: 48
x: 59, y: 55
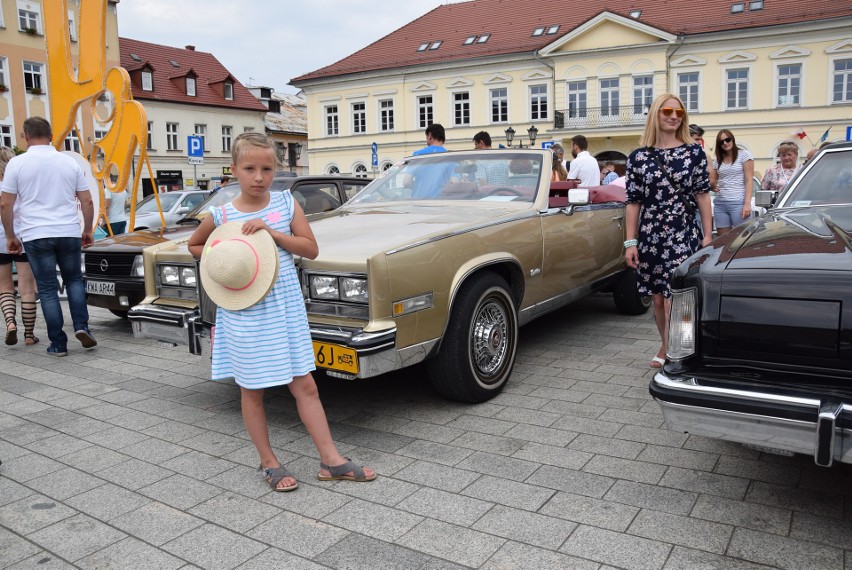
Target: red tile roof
x: 511, y: 23
x: 170, y: 82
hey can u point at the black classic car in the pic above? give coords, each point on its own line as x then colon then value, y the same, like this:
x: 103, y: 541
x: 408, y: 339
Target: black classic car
x: 760, y: 337
x: 113, y: 267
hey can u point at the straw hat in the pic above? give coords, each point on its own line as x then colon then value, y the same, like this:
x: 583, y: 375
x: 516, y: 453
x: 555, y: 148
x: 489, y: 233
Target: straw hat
x: 238, y: 270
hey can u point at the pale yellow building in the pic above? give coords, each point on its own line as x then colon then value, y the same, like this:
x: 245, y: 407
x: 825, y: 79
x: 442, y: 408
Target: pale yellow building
x: 764, y: 69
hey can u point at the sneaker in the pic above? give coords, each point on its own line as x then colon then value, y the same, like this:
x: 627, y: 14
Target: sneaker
x: 57, y: 351
x: 85, y: 337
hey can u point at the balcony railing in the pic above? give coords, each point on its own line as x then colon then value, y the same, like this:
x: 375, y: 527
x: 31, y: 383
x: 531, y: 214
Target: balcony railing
x: 600, y: 117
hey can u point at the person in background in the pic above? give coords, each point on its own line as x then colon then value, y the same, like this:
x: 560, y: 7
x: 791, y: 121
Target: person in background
x: 666, y: 179
x: 26, y: 281
x: 779, y: 174
x: 114, y: 204
x: 494, y: 172
x: 435, y: 137
x: 584, y: 168
x: 558, y: 173
x: 45, y: 187
x: 734, y: 169
x: 611, y: 174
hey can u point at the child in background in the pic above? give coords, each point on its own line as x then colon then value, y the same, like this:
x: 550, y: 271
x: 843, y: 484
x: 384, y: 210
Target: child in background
x: 266, y: 343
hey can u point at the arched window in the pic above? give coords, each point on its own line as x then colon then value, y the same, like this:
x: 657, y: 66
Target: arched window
x: 360, y: 170
x: 333, y: 169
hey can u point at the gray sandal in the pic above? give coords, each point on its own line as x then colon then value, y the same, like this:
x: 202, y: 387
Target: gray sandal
x: 340, y: 472
x: 274, y: 475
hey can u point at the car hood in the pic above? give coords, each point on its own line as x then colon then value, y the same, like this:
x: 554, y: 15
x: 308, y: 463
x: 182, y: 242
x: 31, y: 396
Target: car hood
x: 813, y: 238
x: 360, y: 231
x: 135, y: 241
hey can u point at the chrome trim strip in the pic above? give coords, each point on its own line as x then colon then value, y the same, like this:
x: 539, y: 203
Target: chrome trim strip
x: 690, y: 385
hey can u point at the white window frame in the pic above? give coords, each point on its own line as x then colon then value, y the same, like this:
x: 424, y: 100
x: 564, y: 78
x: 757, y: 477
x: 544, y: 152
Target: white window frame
x: 831, y: 73
x: 332, y: 169
x: 172, y: 136
x: 36, y: 74
x: 647, y: 94
x: 201, y: 131
x: 71, y: 142
x: 502, y: 100
x: 460, y: 105
x: 32, y: 12
x: 573, y: 96
x: 776, y: 82
x: 360, y: 170
x: 537, y: 101
x: 688, y: 101
x: 227, y: 137
x: 3, y: 77
x: 612, y: 109
x: 7, y: 137
x: 150, y: 144
x: 228, y: 91
x: 425, y: 110
x: 190, y: 86
x: 147, y: 80
x: 331, y: 114
x: 386, y: 115
x: 72, y: 25
x: 726, y: 82
x: 359, y: 117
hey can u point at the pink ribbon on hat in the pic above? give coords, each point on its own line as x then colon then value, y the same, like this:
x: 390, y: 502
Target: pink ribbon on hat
x: 256, y: 265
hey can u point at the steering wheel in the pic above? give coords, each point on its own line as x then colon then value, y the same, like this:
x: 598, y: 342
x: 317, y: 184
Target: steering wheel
x: 502, y: 190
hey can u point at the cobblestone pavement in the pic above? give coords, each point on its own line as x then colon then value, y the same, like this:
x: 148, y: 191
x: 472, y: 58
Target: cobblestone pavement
x: 126, y: 456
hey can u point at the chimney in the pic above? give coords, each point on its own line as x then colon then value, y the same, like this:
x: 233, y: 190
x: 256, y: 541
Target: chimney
x: 190, y: 48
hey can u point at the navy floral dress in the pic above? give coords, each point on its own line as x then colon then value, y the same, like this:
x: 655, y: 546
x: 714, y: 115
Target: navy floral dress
x: 668, y: 233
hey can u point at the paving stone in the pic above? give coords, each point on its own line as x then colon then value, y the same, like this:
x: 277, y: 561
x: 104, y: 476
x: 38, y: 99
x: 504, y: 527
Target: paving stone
x: 27, y: 433
x: 370, y: 519
x: 703, y: 482
x: 198, y: 465
x: 11, y: 491
x: 311, y: 501
x: 444, y: 506
x: 480, y: 425
x: 435, y: 452
x: 589, y: 426
x: 76, y: 537
x: 94, y: 458
x: 522, y: 496
x: 213, y: 547
x: 826, y: 531
x: 526, y: 527
x: 450, y: 542
x: 65, y: 483
x: 107, y: 502
x: 429, y: 474
x: 14, y: 548
x: 727, y: 448
x: 313, y: 536
x: 133, y: 474
x: 384, y: 490
x: 591, y: 511
x: 684, y: 531
x: 116, y: 438
x: 58, y: 445
x: 571, y: 481
x: 31, y: 466
x: 687, y: 559
x: 785, y: 553
x: 621, y: 550
x: 156, y: 523
x: 427, y: 432
x: 180, y: 491
x: 525, y: 416
x: 358, y: 552
x: 742, y: 514
x: 543, y: 435
x: 607, y: 446
x: 43, y: 561
x: 684, y: 458
x: 759, y: 470
x: 505, y: 467
x: 552, y: 455
x: 129, y: 551
x: 240, y: 479
x: 234, y: 512
x: 572, y: 410
x: 491, y: 444
x: 174, y: 432
x: 275, y: 558
x: 814, y: 502
x: 154, y: 450
x: 516, y: 555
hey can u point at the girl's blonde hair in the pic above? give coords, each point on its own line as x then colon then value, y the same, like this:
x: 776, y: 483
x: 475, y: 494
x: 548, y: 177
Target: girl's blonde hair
x: 6, y: 154
x: 253, y: 140
x: 652, y: 125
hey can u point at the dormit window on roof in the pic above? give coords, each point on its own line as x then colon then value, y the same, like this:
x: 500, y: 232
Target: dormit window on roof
x: 430, y: 45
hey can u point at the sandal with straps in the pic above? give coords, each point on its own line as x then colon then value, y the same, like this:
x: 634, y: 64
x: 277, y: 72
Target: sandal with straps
x: 341, y: 472
x: 274, y: 475
x: 30, y: 339
x: 11, y: 334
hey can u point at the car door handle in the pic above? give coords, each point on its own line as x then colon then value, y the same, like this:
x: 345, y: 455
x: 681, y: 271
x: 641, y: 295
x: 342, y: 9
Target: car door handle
x: 618, y: 219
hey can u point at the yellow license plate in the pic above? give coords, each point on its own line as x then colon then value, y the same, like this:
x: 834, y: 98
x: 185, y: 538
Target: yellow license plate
x: 335, y: 357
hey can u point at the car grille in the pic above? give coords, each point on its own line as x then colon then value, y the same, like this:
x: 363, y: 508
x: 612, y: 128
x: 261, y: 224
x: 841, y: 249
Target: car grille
x: 115, y: 264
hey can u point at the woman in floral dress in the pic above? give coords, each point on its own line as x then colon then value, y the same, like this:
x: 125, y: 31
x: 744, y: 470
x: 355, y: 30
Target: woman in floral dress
x: 661, y: 229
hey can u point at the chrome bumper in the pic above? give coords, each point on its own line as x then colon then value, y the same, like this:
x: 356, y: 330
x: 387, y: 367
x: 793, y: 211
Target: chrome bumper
x: 789, y: 423
x: 377, y: 352
x: 165, y: 324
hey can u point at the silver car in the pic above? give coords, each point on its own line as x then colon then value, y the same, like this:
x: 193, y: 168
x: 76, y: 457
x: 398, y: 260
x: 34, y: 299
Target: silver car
x: 175, y: 206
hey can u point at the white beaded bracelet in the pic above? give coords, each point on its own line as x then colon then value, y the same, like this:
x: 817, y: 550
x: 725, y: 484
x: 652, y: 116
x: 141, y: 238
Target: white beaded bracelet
x: 631, y: 243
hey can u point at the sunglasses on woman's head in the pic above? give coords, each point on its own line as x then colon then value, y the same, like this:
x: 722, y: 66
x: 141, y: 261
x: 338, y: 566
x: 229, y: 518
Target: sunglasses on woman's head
x: 667, y: 112
x: 725, y: 140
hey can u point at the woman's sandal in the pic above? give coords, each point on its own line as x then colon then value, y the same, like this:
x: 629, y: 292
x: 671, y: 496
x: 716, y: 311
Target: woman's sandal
x: 341, y: 472
x: 657, y: 362
x: 274, y: 475
x: 11, y: 335
x: 30, y: 339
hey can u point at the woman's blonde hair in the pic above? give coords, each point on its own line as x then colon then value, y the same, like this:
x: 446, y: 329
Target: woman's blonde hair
x: 6, y: 154
x: 255, y: 140
x: 652, y: 125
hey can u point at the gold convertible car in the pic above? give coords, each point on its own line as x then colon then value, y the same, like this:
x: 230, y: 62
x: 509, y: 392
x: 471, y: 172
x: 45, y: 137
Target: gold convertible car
x: 441, y: 260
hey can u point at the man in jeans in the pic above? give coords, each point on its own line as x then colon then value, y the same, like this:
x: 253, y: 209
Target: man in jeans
x: 45, y: 186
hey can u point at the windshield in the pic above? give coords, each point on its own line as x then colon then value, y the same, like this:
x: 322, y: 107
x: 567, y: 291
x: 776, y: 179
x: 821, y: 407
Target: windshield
x: 149, y: 204
x: 483, y: 175
x: 227, y: 194
x: 828, y: 181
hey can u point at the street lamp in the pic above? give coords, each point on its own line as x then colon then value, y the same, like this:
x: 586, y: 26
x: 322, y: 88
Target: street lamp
x: 532, y: 132
x: 296, y: 152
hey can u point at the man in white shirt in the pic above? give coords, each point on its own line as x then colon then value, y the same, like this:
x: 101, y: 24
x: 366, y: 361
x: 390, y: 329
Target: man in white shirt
x: 46, y: 185
x: 584, y: 167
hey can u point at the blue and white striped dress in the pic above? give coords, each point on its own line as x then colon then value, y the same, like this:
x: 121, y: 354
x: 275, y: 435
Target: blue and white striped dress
x: 269, y: 343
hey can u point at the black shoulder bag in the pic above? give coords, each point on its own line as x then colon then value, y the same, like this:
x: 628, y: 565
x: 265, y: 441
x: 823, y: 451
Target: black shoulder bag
x: 686, y: 203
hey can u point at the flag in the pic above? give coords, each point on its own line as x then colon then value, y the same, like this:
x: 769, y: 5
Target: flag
x: 824, y: 136
x: 800, y: 132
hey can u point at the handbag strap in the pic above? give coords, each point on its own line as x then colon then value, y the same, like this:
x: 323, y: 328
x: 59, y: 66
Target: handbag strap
x: 686, y: 203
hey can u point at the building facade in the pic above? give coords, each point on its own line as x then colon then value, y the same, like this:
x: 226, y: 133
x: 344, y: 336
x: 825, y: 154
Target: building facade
x: 286, y: 122
x: 762, y: 69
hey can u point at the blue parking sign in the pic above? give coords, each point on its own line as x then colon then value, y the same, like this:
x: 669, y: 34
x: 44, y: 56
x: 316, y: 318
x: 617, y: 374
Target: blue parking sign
x: 547, y: 144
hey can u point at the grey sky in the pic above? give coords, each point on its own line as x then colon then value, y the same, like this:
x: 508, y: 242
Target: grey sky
x: 268, y: 42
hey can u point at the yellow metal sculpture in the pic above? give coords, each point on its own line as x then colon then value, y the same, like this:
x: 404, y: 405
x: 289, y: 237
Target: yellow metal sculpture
x: 128, y: 124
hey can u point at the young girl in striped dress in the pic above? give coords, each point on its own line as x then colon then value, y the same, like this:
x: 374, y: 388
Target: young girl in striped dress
x: 269, y: 344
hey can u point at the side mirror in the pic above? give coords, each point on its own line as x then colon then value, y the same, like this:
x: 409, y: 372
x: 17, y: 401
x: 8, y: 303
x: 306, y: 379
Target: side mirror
x: 182, y: 210
x: 764, y: 198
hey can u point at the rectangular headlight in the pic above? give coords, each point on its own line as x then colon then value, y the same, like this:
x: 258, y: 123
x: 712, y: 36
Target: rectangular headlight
x: 353, y: 289
x: 324, y: 287
x: 187, y: 276
x: 169, y: 275
x: 682, y: 325
x: 138, y: 268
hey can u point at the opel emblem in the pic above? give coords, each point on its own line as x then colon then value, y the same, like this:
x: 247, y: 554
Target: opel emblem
x: 104, y: 265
